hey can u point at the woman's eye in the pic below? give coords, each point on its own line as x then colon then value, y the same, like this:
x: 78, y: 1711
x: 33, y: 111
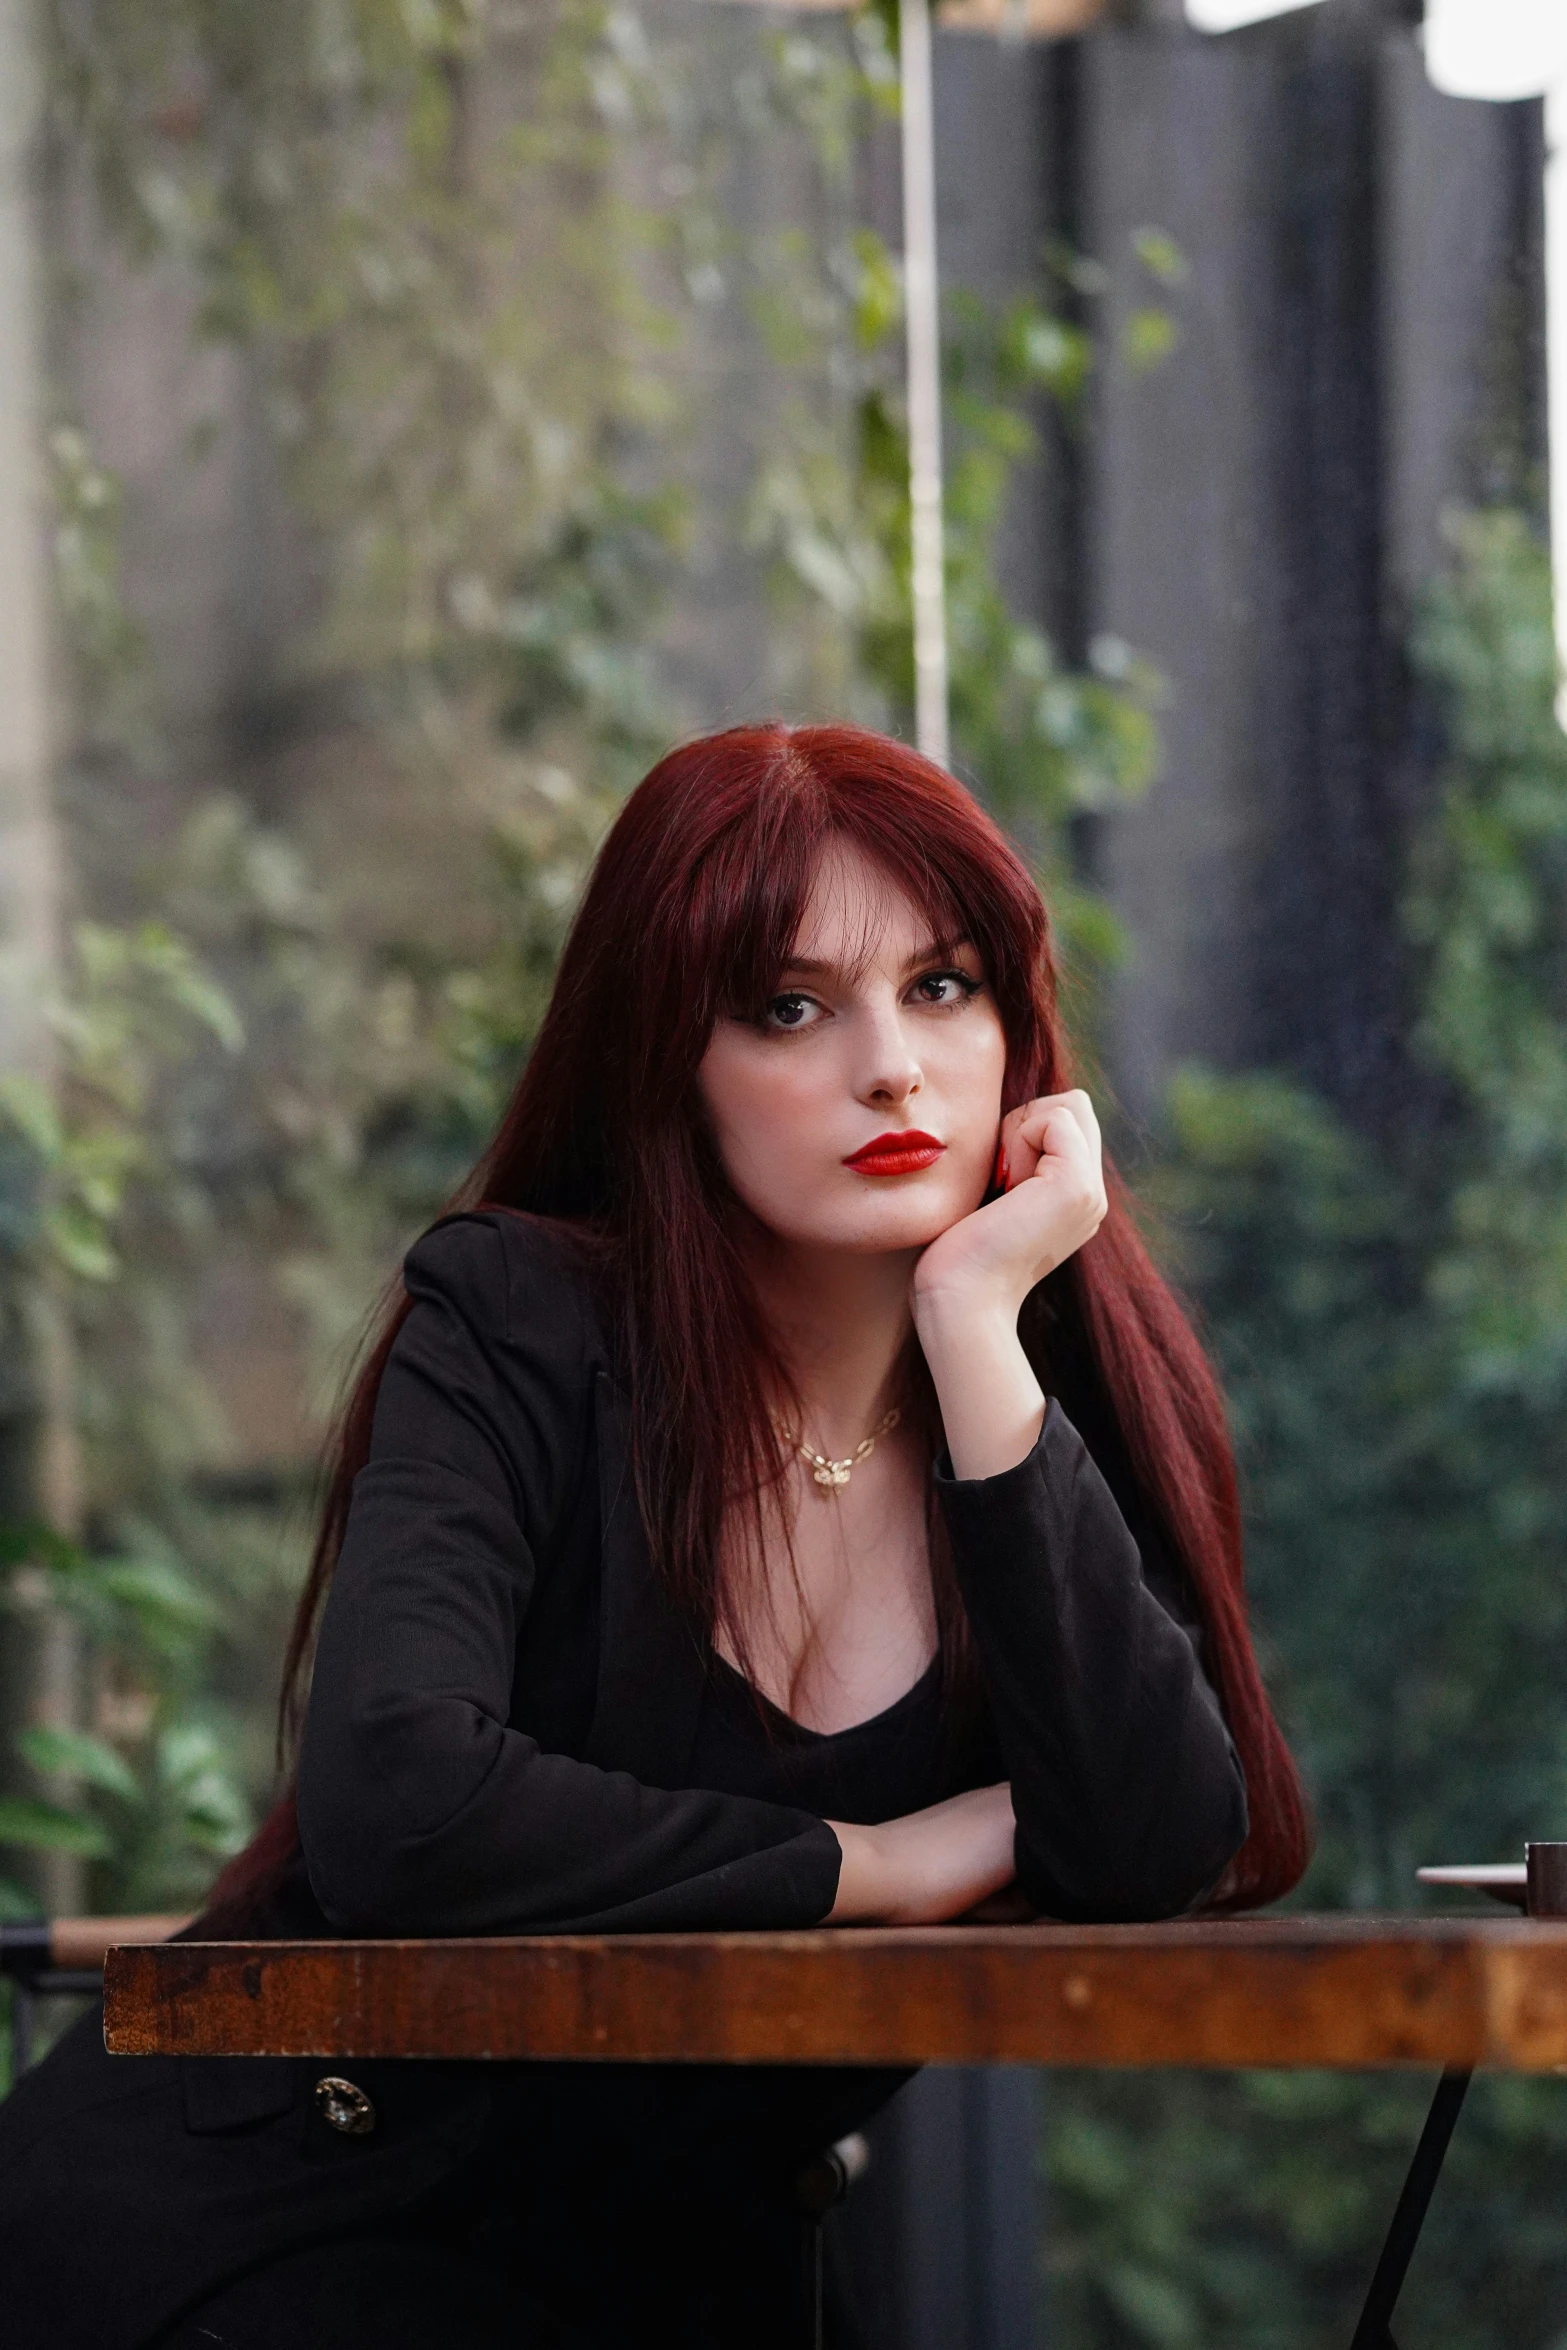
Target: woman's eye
x: 945, y: 987
x: 790, y: 1011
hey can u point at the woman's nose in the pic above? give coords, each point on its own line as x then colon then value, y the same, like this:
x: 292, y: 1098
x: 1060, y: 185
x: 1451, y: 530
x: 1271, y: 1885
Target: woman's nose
x: 889, y: 1070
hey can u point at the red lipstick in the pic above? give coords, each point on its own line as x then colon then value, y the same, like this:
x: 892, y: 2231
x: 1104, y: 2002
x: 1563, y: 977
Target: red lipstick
x: 897, y: 1154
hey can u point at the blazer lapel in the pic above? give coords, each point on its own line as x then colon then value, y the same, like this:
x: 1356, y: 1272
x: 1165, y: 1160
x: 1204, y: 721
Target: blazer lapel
x: 652, y: 1669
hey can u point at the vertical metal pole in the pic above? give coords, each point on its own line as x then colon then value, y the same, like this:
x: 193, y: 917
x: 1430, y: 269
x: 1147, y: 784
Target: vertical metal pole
x: 923, y: 318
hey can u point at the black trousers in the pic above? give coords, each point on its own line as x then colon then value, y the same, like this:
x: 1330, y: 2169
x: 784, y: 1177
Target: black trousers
x: 655, y: 2208
x: 411, y: 2292
x: 373, y: 2292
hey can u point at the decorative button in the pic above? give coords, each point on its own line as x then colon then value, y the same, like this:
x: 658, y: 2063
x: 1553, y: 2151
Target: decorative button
x: 344, y: 2106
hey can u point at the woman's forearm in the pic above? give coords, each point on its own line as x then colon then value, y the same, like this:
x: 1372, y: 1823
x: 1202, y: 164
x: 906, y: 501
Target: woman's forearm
x: 1128, y: 1794
x: 927, y: 1867
x: 992, y: 1405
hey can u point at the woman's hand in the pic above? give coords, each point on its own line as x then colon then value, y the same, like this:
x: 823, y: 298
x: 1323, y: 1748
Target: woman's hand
x: 927, y: 1867
x: 971, y: 1281
x: 1054, y: 1200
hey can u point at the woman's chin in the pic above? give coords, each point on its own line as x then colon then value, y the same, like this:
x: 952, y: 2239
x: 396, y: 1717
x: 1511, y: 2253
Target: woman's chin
x: 903, y: 1233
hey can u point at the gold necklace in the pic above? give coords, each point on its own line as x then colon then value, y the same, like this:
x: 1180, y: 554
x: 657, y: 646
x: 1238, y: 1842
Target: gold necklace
x: 833, y: 1476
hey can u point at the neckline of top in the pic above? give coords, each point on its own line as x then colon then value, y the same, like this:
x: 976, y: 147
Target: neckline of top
x: 802, y: 1731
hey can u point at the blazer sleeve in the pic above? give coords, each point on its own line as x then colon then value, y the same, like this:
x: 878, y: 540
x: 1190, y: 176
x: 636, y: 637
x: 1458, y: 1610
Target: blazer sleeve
x: 421, y: 1809
x: 1129, y: 1795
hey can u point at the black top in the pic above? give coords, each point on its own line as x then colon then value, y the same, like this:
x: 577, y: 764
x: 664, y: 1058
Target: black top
x: 511, y: 1730
x: 881, y: 1769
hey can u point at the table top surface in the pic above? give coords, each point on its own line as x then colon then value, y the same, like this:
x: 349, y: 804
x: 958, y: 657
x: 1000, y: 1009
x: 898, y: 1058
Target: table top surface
x: 1338, y: 1990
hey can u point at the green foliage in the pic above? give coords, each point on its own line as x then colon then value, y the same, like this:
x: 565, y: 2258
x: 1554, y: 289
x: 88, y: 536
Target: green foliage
x: 1041, y: 741
x: 1489, y: 910
x: 153, y: 1798
x: 1046, y: 743
x: 73, y: 1754
x: 134, y: 1002
x: 1201, y: 2211
x: 107, y: 648
x: 46, y: 1827
x: 1392, y: 1325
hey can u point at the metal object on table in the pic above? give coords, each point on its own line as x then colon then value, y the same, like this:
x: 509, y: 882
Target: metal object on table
x: 1537, y: 1884
x: 1546, y: 1879
x: 1505, y: 1880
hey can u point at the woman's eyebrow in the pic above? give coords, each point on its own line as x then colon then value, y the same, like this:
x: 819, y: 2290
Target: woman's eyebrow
x: 934, y: 949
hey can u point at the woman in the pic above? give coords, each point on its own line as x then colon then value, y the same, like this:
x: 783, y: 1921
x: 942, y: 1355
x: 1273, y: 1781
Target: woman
x: 783, y: 1493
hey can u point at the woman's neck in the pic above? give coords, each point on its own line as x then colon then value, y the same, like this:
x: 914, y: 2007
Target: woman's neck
x: 843, y: 1323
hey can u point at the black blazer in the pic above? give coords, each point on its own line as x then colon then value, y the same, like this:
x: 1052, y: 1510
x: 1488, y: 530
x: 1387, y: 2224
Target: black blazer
x: 503, y: 1712
x: 504, y: 1703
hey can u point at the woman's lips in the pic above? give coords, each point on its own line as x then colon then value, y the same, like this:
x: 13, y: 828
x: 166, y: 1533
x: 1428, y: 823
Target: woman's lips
x: 897, y: 1154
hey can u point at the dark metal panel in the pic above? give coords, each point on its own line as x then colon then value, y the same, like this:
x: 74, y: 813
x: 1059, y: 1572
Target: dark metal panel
x: 942, y: 2241
x: 1359, y: 350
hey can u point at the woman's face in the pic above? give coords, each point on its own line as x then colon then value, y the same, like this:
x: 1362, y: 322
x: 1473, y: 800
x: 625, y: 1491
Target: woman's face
x: 861, y: 1111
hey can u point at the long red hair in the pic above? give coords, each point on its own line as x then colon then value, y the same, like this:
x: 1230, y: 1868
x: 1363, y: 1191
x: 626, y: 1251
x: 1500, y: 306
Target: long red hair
x: 690, y: 915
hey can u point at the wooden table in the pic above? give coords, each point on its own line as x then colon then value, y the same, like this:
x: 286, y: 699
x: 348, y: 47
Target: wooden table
x: 1339, y: 1991
x: 1349, y: 1992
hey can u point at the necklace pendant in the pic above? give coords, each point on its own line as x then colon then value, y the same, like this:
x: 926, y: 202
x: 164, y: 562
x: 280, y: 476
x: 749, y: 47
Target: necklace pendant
x: 831, y: 1475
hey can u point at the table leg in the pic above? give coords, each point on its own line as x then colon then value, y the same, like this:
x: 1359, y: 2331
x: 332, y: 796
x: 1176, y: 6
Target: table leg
x: 1375, y: 2330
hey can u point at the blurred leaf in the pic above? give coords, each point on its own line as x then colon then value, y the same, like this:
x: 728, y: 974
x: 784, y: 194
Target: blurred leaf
x: 41, y: 1827
x: 31, y: 1109
x: 1161, y: 256
x: 1148, y: 337
x: 213, y: 1813
x: 172, y: 962
x: 71, y: 1753
x: 879, y: 293
x: 159, y: 1593
x: 42, y: 1544
x: 80, y: 1242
